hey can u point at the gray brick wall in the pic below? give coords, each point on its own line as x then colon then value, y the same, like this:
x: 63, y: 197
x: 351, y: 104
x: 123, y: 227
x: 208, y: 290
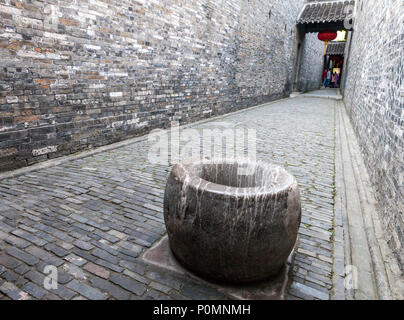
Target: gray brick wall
x: 76, y: 75
x: 312, y: 63
x: 374, y: 96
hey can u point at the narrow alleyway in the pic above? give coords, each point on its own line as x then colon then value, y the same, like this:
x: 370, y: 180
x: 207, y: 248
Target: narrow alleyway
x: 93, y: 217
x: 81, y: 198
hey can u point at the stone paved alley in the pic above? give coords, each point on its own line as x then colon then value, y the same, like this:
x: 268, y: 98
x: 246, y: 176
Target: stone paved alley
x: 94, y: 217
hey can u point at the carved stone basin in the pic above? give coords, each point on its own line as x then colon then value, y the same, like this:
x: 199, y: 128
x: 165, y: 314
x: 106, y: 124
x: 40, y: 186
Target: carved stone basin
x: 232, y: 221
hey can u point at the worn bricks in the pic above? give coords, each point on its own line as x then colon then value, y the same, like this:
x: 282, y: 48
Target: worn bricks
x: 86, y: 256
x: 86, y: 290
x: 22, y: 255
x: 375, y: 102
x: 65, y: 86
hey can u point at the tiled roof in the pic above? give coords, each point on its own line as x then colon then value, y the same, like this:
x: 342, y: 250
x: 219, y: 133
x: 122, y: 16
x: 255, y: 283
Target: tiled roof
x: 324, y: 11
x: 336, y: 48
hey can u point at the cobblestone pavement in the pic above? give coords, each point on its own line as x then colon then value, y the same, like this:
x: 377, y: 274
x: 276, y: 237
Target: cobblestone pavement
x: 92, y: 218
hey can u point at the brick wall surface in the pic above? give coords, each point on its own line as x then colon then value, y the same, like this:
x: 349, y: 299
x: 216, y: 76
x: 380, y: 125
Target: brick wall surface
x: 312, y: 63
x: 374, y: 96
x: 81, y: 74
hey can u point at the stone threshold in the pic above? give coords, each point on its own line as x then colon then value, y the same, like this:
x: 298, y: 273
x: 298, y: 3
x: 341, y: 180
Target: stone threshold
x: 160, y: 255
x: 318, y: 94
x: 371, y: 269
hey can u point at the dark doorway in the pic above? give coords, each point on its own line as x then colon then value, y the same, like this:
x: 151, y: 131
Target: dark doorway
x: 333, y: 64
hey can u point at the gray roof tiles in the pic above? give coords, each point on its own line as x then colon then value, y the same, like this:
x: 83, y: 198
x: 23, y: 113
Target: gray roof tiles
x: 324, y: 11
x: 336, y: 48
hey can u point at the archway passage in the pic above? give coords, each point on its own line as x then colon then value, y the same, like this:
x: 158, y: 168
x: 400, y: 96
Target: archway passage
x: 334, y: 62
x: 332, y: 16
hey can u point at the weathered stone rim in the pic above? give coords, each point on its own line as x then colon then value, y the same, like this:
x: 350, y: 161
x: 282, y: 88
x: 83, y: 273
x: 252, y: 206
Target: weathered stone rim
x: 185, y: 171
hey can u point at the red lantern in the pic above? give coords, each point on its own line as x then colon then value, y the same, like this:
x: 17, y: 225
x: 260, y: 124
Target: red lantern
x: 327, y: 36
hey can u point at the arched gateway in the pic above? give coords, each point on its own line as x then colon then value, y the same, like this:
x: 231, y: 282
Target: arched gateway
x: 322, y: 16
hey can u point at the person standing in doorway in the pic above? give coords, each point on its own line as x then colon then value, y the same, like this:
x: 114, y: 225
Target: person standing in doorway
x: 333, y: 80
x: 336, y: 80
x: 328, y: 78
x: 324, y: 78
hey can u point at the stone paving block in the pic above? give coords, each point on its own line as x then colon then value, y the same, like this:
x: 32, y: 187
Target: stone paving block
x: 78, y: 261
x: 77, y: 235
x: 108, y: 265
x: 36, y: 277
x: 136, y: 277
x: 17, y: 242
x: 135, y: 266
x: 86, y: 291
x: 5, y: 227
x: 20, y: 281
x: 65, y: 245
x: 97, y: 225
x: 323, y: 279
x: 83, y: 228
x: 44, y: 255
x: 57, y: 250
x: 8, y: 261
x: 121, y: 256
x: 117, y: 234
x: 141, y: 242
x: 113, y: 290
x: 104, y: 255
x: 297, y: 294
x: 152, y: 294
x: 10, y: 276
x: 3, y: 235
x: 106, y: 236
x: 45, y: 236
x: 75, y: 271
x: 316, y: 284
x: 324, y: 258
x: 83, y: 245
x: 339, y: 267
x: 338, y: 296
x: 84, y: 254
x: 97, y: 270
x: 310, y: 291
x: 2, y: 269
x: 136, y: 249
x: 64, y: 293
x: 164, y: 279
x: 34, y: 290
x: 23, y: 256
x: 51, y: 296
x: 130, y: 253
x: 339, y: 283
x: 128, y: 284
x: 339, y: 251
x: 160, y: 287
x: 105, y: 247
x: 13, y: 292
